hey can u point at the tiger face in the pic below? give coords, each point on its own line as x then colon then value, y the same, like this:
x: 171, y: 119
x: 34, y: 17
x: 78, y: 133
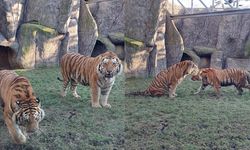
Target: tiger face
x: 109, y: 66
x: 27, y: 110
x: 193, y: 69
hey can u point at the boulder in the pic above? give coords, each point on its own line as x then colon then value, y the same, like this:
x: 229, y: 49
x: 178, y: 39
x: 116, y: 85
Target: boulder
x: 54, y: 14
x: 199, y: 31
x: 204, y: 51
x: 10, y: 14
x: 173, y: 43
x: 38, y: 46
x: 238, y: 63
x: 247, y: 48
x: 217, y: 60
x: 141, y: 22
x: 204, y: 62
x: 106, y: 42
x: 194, y: 57
x: 117, y: 38
x: 72, y: 29
x: 73, y: 36
x: 87, y: 30
x: 109, y: 16
x: 232, y: 35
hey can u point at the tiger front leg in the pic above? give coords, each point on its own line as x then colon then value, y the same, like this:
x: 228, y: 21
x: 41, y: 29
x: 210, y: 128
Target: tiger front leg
x: 172, y: 91
x: 217, y: 90
x: 201, y: 88
x: 14, y: 130
x: 104, y: 96
x: 95, y: 95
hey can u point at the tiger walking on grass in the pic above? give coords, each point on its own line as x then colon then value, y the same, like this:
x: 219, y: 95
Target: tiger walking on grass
x: 222, y: 77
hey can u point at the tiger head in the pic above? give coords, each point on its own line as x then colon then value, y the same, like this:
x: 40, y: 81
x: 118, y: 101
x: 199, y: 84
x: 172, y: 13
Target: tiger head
x: 192, y: 68
x: 110, y: 65
x: 201, y: 74
x: 27, y: 108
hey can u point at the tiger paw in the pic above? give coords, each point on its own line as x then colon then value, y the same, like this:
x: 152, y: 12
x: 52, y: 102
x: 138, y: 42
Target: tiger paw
x: 77, y: 96
x: 96, y: 106
x: 63, y: 94
x: 172, y: 96
x: 195, y: 93
x: 21, y: 139
x: 107, y: 105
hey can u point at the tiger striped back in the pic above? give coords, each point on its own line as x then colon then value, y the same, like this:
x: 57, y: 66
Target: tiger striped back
x: 97, y: 72
x: 225, y: 77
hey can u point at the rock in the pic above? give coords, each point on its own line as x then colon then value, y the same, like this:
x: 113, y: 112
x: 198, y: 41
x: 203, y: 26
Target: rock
x: 247, y: 48
x: 54, y: 14
x: 136, y: 63
x: 117, y: 38
x: 199, y: 31
x: 107, y: 43
x: 64, y: 47
x: 141, y: 19
x: 141, y: 22
x: 238, y: 63
x: 120, y: 52
x: 204, y: 62
x: 73, y: 36
x: 204, y: 51
x: 217, y: 60
x: 73, y: 25
x: 232, y: 35
x: 109, y: 16
x: 87, y: 30
x: 194, y: 57
x: 39, y: 46
x: 10, y: 14
x: 133, y: 43
x: 173, y: 43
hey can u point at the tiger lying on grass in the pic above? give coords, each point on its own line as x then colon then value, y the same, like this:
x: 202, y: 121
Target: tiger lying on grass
x: 226, y: 77
x: 97, y: 72
x: 167, y: 80
x: 20, y: 105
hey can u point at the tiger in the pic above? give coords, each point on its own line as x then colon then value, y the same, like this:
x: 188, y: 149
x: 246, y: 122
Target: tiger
x: 166, y: 81
x: 97, y: 72
x: 222, y: 77
x: 21, y: 108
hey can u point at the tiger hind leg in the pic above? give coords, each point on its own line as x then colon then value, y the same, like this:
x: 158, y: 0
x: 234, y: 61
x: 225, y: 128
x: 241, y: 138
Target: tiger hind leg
x: 64, y: 89
x: 95, y: 95
x: 74, y: 89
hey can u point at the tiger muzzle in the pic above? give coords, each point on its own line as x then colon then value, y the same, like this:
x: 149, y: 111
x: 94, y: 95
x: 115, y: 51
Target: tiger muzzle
x: 109, y: 74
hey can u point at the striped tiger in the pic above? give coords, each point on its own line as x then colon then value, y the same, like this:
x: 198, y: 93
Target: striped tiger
x: 222, y: 77
x: 167, y: 80
x: 20, y: 106
x: 97, y: 72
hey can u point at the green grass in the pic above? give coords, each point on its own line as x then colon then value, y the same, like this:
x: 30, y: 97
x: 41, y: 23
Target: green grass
x: 185, y: 122
x: 89, y: 128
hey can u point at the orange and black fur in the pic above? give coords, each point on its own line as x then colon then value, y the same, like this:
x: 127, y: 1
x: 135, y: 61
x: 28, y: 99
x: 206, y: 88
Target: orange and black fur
x: 97, y: 72
x: 20, y: 105
x: 167, y: 80
x: 225, y: 77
